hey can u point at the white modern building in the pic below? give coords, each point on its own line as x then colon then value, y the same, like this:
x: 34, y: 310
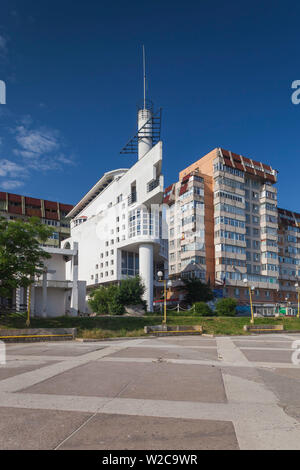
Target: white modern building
x: 57, y: 291
x: 118, y: 224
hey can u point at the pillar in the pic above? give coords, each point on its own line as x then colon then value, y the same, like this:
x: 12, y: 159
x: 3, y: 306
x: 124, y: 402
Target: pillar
x: 44, y: 294
x: 74, y: 294
x: 146, y: 272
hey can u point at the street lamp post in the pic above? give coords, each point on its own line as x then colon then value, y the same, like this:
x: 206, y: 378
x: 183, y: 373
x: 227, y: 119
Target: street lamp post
x: 298, y: 295
x: 160, y: 275
x: 251, y: 288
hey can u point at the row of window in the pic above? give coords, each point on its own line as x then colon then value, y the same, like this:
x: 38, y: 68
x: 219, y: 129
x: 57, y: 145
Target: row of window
x: 229, y: 182
x: 230, y: 248
x: 229, y: 221
x: 230, y: 235
x: 220, y: 167
x: 231, y: 196
x: 229, y: 208
x: 101, y: 275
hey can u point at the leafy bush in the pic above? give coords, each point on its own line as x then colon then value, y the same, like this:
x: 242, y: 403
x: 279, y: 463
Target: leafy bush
x: 131, y: 291
x: 115, y: 308
x: 202, y: 309
x: 112, y: 299
x: 101, y: 298
x: 226, y: 307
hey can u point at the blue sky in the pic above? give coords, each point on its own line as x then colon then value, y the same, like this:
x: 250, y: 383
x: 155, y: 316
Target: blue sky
x: 221, y: 71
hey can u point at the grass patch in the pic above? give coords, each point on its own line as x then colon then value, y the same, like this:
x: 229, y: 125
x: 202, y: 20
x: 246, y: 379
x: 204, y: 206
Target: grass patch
x: 116, y: 326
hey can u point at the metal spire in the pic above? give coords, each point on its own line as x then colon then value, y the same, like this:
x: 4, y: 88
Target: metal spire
x: 144, y: 67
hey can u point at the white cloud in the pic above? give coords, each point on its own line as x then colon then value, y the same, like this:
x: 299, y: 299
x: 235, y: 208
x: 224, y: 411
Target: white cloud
x: 37, y: 141
x: 41, y: 148
x: 11, y: 169
x: 11, y: 184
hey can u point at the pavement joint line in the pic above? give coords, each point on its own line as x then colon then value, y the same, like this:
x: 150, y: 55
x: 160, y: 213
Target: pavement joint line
x: 28, y: 379
x: 75, y: 431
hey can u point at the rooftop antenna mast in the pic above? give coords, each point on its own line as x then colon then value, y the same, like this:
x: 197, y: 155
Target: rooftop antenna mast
x: 149, y: 124
x: 144, y: 67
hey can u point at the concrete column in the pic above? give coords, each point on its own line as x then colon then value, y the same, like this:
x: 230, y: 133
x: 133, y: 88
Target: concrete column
x: 44, y: 294
x: 74, y: 294
x: 146, y: 272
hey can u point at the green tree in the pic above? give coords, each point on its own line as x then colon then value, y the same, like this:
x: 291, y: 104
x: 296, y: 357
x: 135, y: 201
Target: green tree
x: 197, y: 291
x: 101, y: 298
x: 226, y: 307
x: 202, y: 309
x: 131, y: 291
x: 21, y: 254
x: 112, y: 299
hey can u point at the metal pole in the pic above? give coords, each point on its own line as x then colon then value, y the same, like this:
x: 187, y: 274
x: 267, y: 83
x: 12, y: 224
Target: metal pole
x: 28, y: 307
x: 252, y: 316
x: 165, y: 301
x: 144, y: 67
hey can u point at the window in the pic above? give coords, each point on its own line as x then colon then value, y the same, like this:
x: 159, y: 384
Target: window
x: 237, y: 292
x: 130, y: 263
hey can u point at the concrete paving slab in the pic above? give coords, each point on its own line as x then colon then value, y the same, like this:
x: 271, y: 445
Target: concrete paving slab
x: 285, y: 384
x: 138, y: 432
x: 37, y: 429
x: 56, y: 350
x: 263, y: 344
x: 17, y: 369
x: 158, y: 380
x: 172, y: 353
x: 268, y: 356
x: 167, y: 381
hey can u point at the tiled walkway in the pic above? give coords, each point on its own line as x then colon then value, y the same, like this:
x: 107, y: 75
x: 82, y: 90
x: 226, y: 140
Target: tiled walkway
x: 184, y: 392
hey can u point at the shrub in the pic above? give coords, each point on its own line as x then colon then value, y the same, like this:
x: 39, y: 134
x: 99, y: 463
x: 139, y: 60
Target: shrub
x: 112, y: 299
x: 101, y: 298
x: 202, y: 309
x: 226, y: 307
x: 115, y: 308
x: 130, y: 291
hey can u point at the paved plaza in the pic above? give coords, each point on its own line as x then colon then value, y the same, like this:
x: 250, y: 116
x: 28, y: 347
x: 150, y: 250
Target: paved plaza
x: 183, y: 392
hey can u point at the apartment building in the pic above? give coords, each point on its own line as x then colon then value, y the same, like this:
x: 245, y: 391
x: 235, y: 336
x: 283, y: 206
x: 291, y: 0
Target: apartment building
x: 224, y: 207
x: 15, y: 206
x: 288, y: 254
